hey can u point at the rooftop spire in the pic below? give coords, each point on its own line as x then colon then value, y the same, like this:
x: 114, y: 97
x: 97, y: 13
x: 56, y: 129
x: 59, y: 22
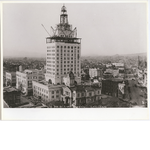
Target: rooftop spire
x: 63, y: 9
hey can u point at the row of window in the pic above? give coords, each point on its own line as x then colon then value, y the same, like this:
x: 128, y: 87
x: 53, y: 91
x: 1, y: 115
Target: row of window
x: 36, y: 92
x: 67, y: 58
x: 67, y: 51
x: 67, y: 55
x: 40, y: 89
x: 50, y: 65
x: 50, y: 69
x: 61, y: 66
x: 50, y: 46
x: 52, y: 73
x: 51, y: 62
x: 50, y: 57
x: 61, y: 62
x: 49, y: 54
x: 83, y: 94
x: 54, y: 92
x: 68, y: 47
x: 50, y: 50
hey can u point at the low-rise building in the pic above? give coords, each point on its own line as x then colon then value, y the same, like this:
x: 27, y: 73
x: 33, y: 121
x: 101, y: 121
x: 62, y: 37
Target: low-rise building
x: 107, y: 75
x: 24, y: 80
x: 114, y: 72
x: 79, y: 95
x: 94, y: 72
x: 118, y: 65
x: 11, y: 96
x: 47, y: 92
x: 10, y: 79
x: 110, y: 86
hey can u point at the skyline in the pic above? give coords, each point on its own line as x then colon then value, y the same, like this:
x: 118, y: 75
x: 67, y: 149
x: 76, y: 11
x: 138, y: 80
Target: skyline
x: 126, y: 34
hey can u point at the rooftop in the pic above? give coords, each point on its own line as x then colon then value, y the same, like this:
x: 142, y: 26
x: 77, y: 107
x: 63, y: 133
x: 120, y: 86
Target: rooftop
x: 43, y: 82
x: 13, y: 73
x: 9, y: 89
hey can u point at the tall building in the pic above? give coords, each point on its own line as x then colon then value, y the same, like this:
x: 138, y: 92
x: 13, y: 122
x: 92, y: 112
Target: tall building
x: 63, y: 51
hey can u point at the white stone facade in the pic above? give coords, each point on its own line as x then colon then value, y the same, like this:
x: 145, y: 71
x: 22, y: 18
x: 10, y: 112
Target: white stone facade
x: 24, y: 79
x: 63, y: 51
x: 47, y: 92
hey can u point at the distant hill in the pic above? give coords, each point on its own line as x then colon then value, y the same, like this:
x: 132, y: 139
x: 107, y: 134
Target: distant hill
x: 135, y: 54
x: 116, y: 55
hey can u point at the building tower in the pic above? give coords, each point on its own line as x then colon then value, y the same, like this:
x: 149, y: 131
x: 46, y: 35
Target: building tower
x: 63, y: 51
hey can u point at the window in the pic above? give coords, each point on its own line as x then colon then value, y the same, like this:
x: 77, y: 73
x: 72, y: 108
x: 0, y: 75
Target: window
x: 64, y: 46
x: 67, y: 93
x: 68, y: 46
x: 52, y: 92
x: 57, y: 46
x: 72, y: 48
x: 57, y: 91
x: 90, y: 94
x: 52, y: 96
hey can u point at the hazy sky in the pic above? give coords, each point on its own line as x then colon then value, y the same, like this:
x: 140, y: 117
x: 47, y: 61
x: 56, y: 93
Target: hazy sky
x: 105, y: 28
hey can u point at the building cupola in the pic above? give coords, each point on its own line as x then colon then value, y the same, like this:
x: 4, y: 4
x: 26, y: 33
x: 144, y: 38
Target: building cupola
x: 63, y: 16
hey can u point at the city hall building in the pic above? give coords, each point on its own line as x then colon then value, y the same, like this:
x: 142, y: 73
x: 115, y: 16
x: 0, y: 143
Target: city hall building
x: 63, y: 51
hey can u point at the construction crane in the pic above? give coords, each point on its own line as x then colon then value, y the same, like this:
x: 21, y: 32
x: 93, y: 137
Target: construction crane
x: 46, y: 30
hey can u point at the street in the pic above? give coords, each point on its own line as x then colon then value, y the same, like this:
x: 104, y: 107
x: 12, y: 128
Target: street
x: 136, y: 93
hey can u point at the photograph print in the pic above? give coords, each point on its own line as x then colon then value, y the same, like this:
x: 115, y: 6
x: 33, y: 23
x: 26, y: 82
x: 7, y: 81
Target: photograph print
x: 74, y: 55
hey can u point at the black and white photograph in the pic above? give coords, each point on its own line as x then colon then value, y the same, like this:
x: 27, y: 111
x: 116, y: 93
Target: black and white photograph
x: 75, y: 55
